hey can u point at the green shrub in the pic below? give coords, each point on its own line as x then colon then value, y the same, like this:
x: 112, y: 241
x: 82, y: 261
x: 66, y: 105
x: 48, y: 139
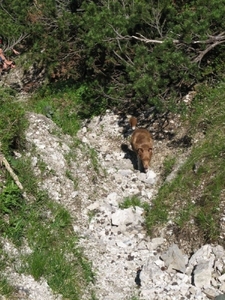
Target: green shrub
x: 12, y: 122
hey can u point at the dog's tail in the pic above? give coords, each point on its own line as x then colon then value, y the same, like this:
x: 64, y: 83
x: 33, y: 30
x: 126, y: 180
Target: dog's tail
x: 133, y: 122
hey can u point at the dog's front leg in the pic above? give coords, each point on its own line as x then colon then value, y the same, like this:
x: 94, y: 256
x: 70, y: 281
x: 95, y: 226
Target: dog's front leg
x: 139, y: 163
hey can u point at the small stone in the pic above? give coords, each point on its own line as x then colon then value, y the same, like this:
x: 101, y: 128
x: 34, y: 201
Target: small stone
x: 202, y: 275
x: 112, y: 199
x: 221, y: 278
x: 126, y: 216
x: 151, y: 177
x: 174, y: 259
x: 210, y: 292
x: 222, y: 287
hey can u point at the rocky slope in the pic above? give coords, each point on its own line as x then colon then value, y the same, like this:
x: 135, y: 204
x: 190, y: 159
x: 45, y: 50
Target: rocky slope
x: 127, y: 262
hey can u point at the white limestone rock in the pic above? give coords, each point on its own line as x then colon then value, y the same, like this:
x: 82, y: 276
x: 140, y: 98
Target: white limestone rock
x: 203, y: 274
x: 127, y: 216
x: 175, y: 259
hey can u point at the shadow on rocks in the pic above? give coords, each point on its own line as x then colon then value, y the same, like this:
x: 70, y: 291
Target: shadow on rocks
x: 129, y: 154
x: 157, y: 123
x: 183, y: 142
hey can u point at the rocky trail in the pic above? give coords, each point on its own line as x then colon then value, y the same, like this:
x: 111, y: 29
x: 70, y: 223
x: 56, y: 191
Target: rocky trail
x: 127, y: 262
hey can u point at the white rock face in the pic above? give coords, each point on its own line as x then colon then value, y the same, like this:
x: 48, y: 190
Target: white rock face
x: 115, y: 239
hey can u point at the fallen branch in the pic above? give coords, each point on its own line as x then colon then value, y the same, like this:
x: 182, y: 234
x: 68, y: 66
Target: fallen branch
x: 10, y: 170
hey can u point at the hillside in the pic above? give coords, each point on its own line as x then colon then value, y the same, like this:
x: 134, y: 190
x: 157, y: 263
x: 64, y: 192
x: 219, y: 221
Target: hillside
x: 163, y: 230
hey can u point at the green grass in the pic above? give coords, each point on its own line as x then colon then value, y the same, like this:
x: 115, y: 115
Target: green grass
x: 12, y: 122
x: 5, y: 288
x: 194, y: 196
x: 134, y: 298
x: 168, y: 165
x: 56, y: 256
x: 134, y: 201
x: 60, y: 105
x: 47, y: 228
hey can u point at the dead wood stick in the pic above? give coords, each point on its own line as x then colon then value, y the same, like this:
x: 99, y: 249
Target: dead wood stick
x: 10, y: 170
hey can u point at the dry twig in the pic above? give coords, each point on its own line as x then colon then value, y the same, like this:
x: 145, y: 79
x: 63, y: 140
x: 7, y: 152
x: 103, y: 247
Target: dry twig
x: 4, y: 161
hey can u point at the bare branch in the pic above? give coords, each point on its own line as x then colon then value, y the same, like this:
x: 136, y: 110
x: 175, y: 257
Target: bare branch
x: 7, y: 13
x: 212, y: 42
x: 118, y: 35
x: 108, y: 96
x: 156, y: 22
x: 129, y: 63
x: 11, y: 43
x: 203, y: 53
x: 145, y: 40
x: 142, y: 38
x: 61, y: 6
x: 212, y: 39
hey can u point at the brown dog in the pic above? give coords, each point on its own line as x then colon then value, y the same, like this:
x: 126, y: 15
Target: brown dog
x: 142, y: 144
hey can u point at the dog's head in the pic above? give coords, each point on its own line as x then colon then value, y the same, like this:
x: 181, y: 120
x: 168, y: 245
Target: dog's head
x: 145, y: 155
